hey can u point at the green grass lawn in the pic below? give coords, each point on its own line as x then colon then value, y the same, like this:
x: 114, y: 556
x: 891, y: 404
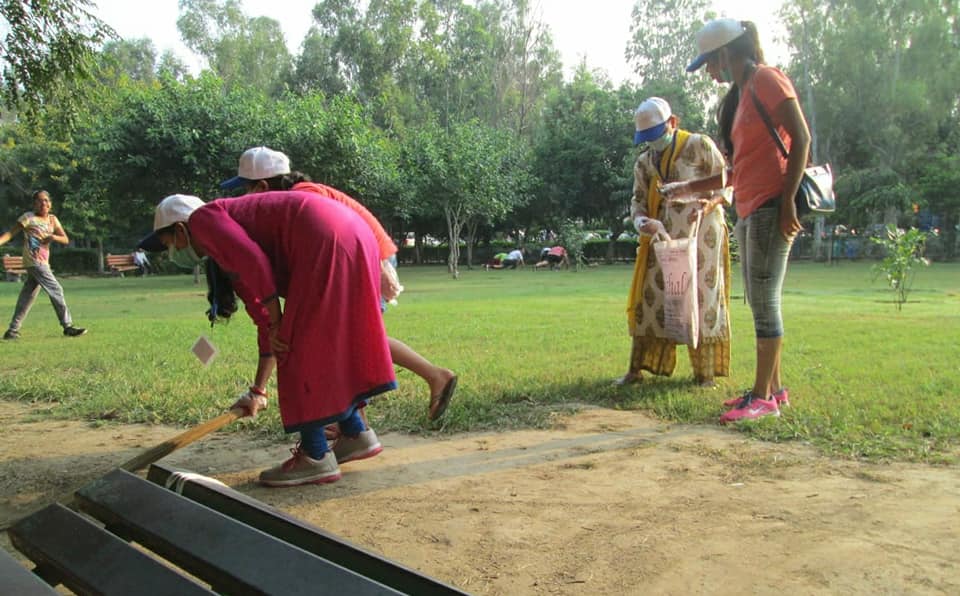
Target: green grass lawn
x: 865, y: 380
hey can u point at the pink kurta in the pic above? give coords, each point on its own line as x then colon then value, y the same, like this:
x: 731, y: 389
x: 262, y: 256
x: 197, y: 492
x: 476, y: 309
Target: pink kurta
x: 324, y: 260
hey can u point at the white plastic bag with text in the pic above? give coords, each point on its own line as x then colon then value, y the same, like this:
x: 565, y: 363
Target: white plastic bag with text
x: 678, y: 261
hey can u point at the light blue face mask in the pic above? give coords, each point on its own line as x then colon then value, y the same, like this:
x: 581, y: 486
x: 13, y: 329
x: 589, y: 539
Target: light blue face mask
x: 185, y: 258
x: 661, y: 143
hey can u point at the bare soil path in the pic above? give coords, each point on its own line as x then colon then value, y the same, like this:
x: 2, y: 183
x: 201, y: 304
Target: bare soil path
x: 607, y: 502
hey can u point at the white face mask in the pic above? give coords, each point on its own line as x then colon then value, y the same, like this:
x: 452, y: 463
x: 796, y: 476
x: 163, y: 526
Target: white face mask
x: 661, y: 143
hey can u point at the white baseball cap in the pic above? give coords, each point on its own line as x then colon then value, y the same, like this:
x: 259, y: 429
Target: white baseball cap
x: 651, y: 119
x: 170, y: 210
x: 714, y: 35
x: 258, y: 163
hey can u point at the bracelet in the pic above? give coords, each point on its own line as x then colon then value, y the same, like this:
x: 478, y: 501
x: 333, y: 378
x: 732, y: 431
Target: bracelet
x: 257, y: 391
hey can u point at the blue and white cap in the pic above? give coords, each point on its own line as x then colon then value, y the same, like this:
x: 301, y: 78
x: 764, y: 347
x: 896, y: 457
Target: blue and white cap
x: 651, y: 119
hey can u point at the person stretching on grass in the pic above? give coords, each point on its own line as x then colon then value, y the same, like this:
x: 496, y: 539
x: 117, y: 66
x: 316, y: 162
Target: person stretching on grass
x: 262, y: 169
x: 327, y: 342
x: 40, y: 227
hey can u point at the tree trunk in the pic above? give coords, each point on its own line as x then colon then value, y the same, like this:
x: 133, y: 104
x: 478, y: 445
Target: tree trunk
x: 949, y: 231
x: 100, y: 259
x: 472, y: 228
x: 453, y: 237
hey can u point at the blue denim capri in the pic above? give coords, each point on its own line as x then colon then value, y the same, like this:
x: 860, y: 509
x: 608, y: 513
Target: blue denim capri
x: 763, y: 256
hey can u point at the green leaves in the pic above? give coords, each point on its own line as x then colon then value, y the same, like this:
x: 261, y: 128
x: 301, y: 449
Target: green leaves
x: 904, y: 252
x: 47, y: 46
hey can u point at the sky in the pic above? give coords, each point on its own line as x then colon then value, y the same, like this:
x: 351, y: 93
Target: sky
x: 598, y: 33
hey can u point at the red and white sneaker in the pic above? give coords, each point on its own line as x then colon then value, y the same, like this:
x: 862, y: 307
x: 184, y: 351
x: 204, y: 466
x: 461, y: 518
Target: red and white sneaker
x: 361, y: 446
x: 782, y: 398
x: 750, y: 409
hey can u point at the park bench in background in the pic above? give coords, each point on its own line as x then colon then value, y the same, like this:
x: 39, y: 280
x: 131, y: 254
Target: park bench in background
x: 13, y: 268
x: 118, y: 264
x: 203, y: 538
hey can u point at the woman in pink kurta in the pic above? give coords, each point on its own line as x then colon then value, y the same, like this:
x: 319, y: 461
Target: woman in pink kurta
x: 329, y: 342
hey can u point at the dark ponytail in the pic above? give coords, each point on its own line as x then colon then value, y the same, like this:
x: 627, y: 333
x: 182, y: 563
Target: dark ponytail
x: 220, y: 294
x: 746, y: 46
x: 286, y: 181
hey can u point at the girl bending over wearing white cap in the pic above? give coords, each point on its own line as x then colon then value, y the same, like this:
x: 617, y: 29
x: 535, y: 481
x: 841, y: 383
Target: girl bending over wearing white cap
x: 262, y: 169
x: 327, y: 342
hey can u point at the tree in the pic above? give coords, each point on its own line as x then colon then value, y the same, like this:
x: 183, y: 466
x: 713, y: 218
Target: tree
x: 877, y: 107
x: 939, y: 185
x: 243, y: 51
x: 172, y: 66
x: 661, y: 45
x: 470, y: 172
x: 584, y: 156
x: 48, y: 44
x: 134, y: 58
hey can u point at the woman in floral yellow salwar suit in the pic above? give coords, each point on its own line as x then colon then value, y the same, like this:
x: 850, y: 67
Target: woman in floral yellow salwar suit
x: 675, y: 155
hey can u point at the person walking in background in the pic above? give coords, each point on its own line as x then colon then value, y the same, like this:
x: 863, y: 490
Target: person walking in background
x: 40, y: 227
x: 764, y: 185
x: 141, y: 261
x: 262, y: 169
x: 327, y: 341
x: 673, y: 154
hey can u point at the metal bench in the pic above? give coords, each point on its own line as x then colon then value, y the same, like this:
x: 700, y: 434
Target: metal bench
x: 204, y: 539
x: 17, y: 579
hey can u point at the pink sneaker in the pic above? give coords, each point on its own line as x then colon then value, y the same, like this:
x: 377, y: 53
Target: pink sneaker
x: 734, y: 402
x: 782, y: 398
x: 751, y: 409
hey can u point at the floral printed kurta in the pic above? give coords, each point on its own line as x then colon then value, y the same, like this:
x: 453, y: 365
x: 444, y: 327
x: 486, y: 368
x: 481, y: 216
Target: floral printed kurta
x: 698, y: 158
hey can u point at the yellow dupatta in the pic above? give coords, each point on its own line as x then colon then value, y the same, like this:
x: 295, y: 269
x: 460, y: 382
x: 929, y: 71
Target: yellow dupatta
x: 667, y: 163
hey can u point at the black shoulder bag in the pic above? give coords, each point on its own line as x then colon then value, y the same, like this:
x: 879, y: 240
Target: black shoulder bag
x: 815, y: 194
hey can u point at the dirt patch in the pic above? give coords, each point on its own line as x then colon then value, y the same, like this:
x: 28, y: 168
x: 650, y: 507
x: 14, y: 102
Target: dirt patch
x: 608, y: 502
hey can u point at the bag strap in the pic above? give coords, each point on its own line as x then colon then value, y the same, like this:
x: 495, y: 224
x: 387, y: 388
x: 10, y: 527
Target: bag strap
x: 766, y: 120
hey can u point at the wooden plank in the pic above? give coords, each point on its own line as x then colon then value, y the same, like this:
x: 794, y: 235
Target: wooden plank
x: 17, y: 579
x: 90, y: 560
x: 229, y: 555
x: 308, y: 537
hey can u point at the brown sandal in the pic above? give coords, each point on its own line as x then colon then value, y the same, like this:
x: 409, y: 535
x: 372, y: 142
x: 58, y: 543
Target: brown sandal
x: 439, y: 403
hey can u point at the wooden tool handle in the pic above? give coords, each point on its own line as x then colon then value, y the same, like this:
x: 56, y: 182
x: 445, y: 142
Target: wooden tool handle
x: 154, y: 453
x: 182, y: 440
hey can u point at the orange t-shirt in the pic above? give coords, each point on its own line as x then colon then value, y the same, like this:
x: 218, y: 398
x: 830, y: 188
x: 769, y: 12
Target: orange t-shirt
x: 758, y: 165
x: 386, y: 244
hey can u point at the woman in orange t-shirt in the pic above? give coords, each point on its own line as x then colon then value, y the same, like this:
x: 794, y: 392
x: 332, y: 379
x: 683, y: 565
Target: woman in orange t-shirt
x: 764, y: 184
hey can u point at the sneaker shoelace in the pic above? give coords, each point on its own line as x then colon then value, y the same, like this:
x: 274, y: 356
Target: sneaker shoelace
x: 746, y: 400
x: 297, y: 453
